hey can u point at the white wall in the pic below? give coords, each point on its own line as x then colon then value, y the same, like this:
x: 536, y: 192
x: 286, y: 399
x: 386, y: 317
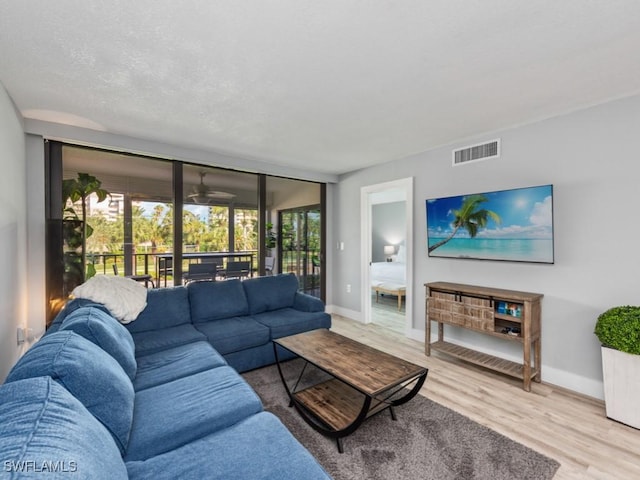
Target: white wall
x: 591, y: 157
x: 13, y: 211
x: 37, y: 297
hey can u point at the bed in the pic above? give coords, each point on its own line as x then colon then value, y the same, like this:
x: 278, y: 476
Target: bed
x: 389, y: 278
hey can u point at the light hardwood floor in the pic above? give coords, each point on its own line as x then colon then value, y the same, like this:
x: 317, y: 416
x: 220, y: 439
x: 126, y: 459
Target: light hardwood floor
x: 566, y: 426
x: 385, y: 313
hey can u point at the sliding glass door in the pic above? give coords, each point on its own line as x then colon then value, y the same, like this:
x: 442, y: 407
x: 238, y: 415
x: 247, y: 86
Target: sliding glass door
x: 220, y: 219
x: 154, y: 217
x: 300, y: 246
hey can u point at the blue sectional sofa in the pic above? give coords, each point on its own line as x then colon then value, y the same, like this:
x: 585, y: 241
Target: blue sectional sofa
x: 160, y: 397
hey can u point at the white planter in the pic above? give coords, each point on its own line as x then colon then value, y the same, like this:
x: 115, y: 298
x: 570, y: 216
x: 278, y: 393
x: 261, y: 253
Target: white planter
x: 621, y: 373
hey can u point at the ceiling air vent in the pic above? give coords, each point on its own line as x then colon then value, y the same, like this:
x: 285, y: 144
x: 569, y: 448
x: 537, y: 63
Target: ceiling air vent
x: 481, y: 151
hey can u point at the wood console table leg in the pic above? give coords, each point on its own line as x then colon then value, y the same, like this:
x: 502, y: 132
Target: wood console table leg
x: 537, y: 360
x: 526, y: 366
x: 427, y: 338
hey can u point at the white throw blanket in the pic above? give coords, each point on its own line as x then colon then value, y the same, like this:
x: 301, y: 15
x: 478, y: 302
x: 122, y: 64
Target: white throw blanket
x: 125, y: 298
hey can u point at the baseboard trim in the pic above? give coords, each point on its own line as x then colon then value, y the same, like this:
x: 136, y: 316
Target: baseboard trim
x: 571, y: 381
x: 417, y: 335
x: 553, y: 376
x: 345, y: 312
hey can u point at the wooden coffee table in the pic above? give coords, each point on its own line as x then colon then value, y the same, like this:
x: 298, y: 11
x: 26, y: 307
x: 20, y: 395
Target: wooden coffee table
x: 363, y: 381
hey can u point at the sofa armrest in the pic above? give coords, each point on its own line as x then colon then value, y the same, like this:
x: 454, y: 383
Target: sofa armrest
x: 307, y: 303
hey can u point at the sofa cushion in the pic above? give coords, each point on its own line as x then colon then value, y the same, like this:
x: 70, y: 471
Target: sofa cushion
x: 168, y: 365
x: 255, y: 357
x: 270, y: 293
x: 88, y: 373
x: 166, y: 307
x: 288, y: 321
x: 259, y: 447
x: 106, y: 332
x: 215, y: 300
x: 43, y: 428
x: 172, y: 414
x: 70, y: 307
x: 157, y: 340
x: 234, y: 334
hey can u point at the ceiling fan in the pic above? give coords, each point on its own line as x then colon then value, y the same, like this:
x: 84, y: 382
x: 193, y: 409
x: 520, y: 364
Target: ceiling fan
x: 202, y: 194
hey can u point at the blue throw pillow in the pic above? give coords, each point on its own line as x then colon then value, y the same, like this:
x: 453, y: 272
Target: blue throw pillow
x: 106, y: 332
x: 216, y: 300
x: 88, y: 373
x: 47, y: 433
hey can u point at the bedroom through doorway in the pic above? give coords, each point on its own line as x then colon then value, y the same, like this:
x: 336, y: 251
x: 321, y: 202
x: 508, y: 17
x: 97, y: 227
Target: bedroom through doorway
x: 387, y: 233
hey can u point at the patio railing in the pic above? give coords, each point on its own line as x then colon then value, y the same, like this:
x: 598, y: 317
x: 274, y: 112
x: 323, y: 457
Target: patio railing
x: 142, y: 263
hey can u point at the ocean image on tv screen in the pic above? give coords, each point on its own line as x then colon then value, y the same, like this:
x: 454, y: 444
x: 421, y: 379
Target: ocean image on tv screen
x: 512, y: 225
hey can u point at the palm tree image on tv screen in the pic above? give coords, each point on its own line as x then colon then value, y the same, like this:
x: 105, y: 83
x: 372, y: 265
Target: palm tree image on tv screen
x: 511, y: 225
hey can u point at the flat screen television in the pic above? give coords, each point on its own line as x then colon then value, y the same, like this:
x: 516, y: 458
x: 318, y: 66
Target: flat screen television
x: 512, y: 225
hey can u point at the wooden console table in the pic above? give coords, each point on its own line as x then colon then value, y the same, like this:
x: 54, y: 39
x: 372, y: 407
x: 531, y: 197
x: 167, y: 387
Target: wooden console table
x: 507, y: 314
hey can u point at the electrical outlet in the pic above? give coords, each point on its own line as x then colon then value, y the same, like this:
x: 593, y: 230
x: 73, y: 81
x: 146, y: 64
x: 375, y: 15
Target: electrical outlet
x: 348, y: 288
x: 25, y: 335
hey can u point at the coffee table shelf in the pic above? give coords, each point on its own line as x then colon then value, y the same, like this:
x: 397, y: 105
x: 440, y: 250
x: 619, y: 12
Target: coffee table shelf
x: 335, y: 403
x: 363, y: 381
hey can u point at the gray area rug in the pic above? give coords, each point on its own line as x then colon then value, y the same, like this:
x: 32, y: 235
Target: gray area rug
x: 428, y: 441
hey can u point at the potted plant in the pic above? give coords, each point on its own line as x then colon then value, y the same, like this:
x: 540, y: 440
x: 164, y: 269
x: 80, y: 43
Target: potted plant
x: 618, y: 330
x: 270, y: 237
x: 76, y: 230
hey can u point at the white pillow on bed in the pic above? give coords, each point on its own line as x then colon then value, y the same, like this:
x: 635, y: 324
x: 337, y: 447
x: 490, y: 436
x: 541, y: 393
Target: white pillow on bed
x: 402, y: 254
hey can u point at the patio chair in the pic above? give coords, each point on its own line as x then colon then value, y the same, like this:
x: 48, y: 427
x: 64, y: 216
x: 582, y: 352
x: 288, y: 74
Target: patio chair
x: 218, y: 261
x: 146, y: 278
x: 237, y: 269
x: 200, y: 271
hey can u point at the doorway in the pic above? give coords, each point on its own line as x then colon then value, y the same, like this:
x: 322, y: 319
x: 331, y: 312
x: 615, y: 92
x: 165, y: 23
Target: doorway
x: 387, y: 253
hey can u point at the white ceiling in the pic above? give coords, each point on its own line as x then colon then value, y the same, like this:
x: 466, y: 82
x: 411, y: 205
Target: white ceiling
x: 328, y: 86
